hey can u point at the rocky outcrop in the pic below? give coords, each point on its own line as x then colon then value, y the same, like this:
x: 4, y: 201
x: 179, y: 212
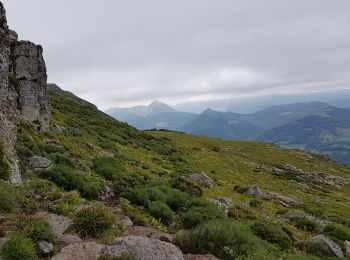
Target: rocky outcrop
x: 330, y: 244
x: 144, y: 248
x: 286, y: 201
x: 8, y: 103
x: 28, y: 68
x: 222, y: 203
x: 22, y: 91
x: 316, y: 178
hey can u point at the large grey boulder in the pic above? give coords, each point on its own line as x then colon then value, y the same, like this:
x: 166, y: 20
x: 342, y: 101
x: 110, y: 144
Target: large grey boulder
x: 347, y: 249
x: 80, y: 251
x: 59, y: 224
x: 200, y: 257
x: 150, y: 233
x: 144, y: 248
x: 330, y: 244
x: 37, y: 163
x: 203, y: 179
x: 68, y: 239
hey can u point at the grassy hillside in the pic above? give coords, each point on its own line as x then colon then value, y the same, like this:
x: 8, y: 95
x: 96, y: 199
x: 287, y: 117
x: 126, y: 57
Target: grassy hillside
x: 148, y: 172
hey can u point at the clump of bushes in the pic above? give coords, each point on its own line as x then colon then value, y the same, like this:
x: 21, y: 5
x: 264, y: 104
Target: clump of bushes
x: 93, y: 221
x: 187, y: 186
x: 68, y: 202
x: 223, y: 238
x: 198, y: 211
x: 161, y: 211
x: 18, y: 247
x: 69, y: 179
x: 123, y: 182
x: 37, y: 229
x: 45, y: 189
x: 107, y: 167
x: 305, y: 224
x: 255, y: 203
x: 314, y: 248
x: 272, y: 233
x: 241, y: 213
x: 8, y: 201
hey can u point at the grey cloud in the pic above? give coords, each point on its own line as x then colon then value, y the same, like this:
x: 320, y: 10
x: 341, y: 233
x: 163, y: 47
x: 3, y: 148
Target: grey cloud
x: 116, y: 52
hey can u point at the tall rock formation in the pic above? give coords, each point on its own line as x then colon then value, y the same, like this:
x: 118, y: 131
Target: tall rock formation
x: 23, y: 94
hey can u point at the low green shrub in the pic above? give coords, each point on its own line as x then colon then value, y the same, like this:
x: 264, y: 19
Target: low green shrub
x: 123, y: 182
x: 18, y: 247
x: 305, y: 224
x: 93, y: 221
x: 68, y: 202
x: 45, y: 189
x: 37, y: 229
x: 314, y: 248
x: 223, y: 238
x: 272, y: 233
x: 70, y: 179
x: 337, y: 232
x: 8, y: 201
x: 255, y: 203
x: 241, y: 213
x: 199, y: 211
x: 27, y: 203
x: 187, y: 186
x: 107, y: 167
x: 161, y: 211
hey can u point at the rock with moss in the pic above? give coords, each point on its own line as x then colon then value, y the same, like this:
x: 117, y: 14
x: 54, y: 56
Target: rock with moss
x: 330, y: 244
x: 85, y: 250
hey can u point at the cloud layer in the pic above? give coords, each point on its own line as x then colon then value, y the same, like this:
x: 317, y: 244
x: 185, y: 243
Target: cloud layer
x: 117, y: 53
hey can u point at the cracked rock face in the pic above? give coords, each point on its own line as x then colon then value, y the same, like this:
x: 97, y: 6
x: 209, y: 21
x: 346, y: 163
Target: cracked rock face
x: 23, y: 94
x: 8, y: 103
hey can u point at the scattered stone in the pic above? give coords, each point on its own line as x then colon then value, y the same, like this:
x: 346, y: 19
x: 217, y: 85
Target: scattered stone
x: 37, y: 163
x: 297, y: 213
x: 202, y: 178
x: 222, y: 203
x: 59, y: 224
x: 68, y: 239
x: 57, y: 129
x: 200, y: 257
x: 76, y: 133
x: 256, y: 192
x: 125, y: 220
x: 330, y: 244
x: 45, y: 247
x: 347, y: 249
x: 150, y: 233
x: 144, y: 248
x: 83, y: 251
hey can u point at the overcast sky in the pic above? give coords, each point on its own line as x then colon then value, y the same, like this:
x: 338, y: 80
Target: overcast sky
x: 128, y: 52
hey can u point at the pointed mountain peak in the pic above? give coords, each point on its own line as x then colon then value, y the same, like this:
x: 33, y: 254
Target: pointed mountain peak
x: 158, y: 106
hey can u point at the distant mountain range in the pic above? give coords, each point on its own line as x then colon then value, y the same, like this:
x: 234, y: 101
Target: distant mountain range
x: 313, y: 126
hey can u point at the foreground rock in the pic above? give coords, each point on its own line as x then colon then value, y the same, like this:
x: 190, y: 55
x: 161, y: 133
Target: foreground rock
x: 330, y: 244
x: 144, y: 248
x: 200, y: 257
x: 45, y: 247
x: 59, y: 224
x: 286, y: 201
x: 37, y: 163
x: 347, y: 249
x: 68, y: 239
x: 203, y: 179
x: 80, y: 251
x: 150, y: 233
